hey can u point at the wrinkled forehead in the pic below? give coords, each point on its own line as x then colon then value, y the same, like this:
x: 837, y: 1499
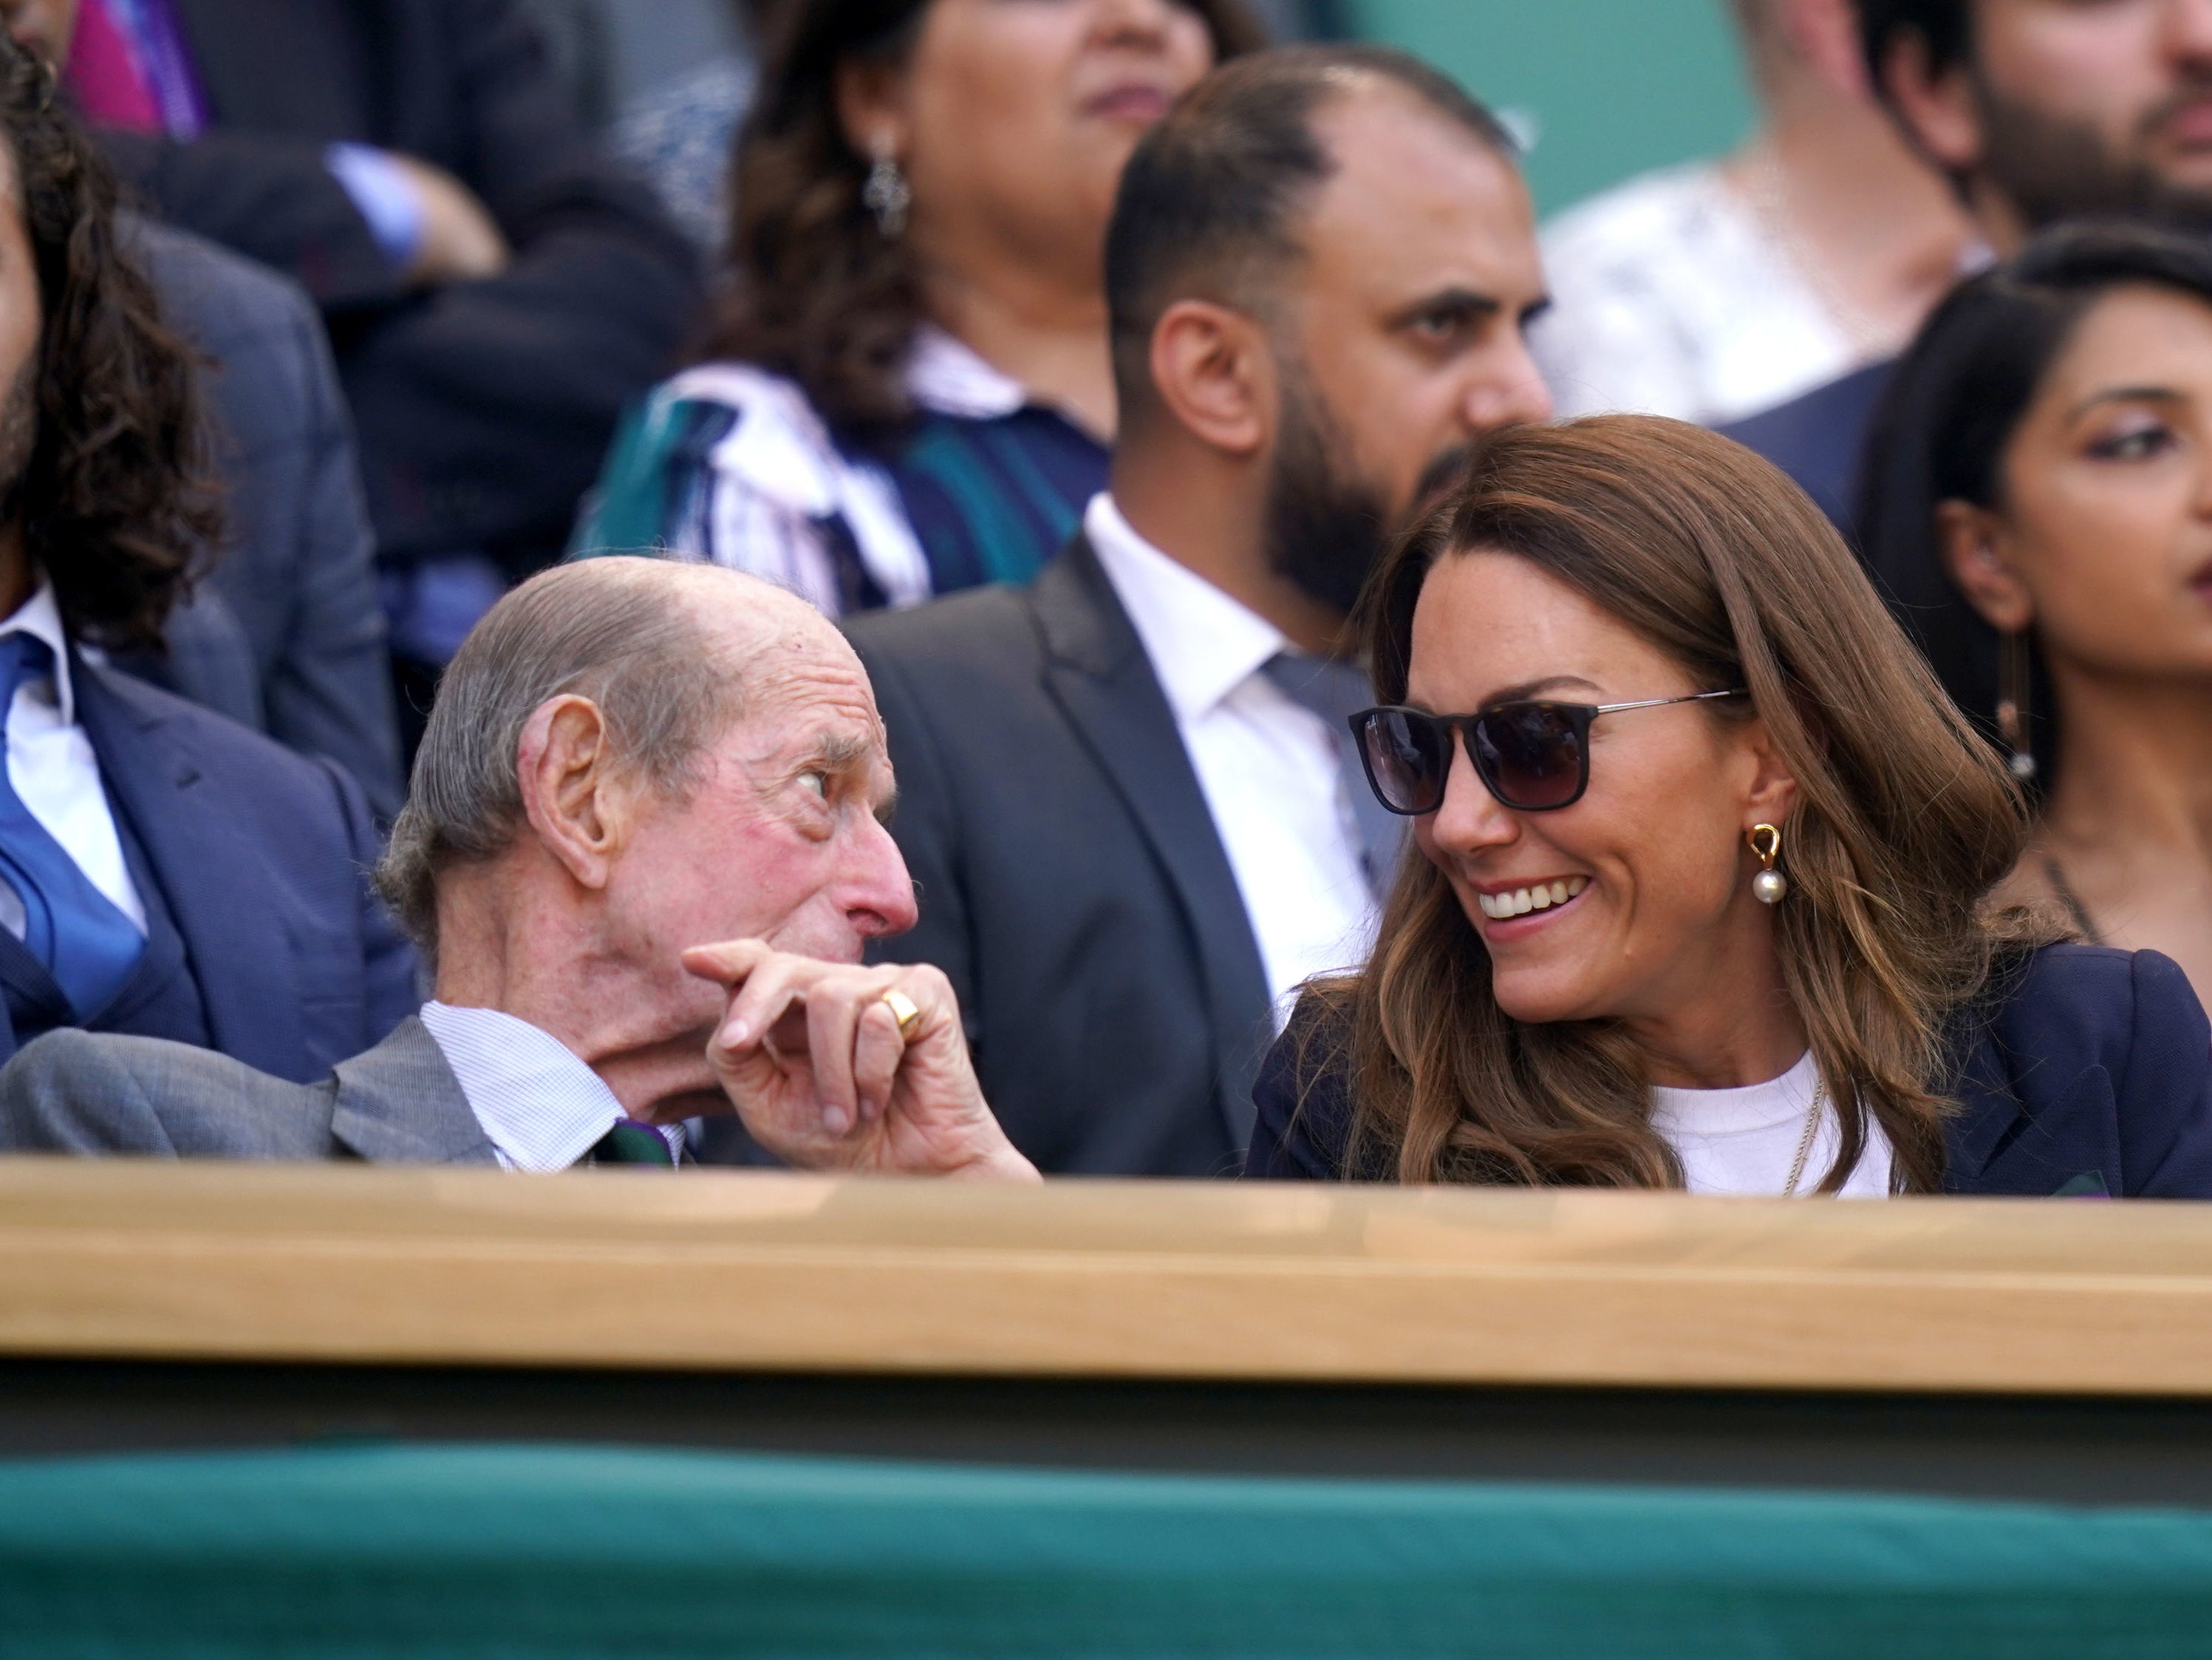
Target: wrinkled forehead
x: 802, y: 686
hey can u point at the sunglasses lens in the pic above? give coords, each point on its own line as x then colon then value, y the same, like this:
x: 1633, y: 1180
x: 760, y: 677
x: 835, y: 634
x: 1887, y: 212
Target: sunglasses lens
x: 1408, y: 755
x: 1529, y: 754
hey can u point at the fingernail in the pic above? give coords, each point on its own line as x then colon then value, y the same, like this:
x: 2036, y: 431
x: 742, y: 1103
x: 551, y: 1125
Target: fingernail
x: 833, y: 1120
x: 734, y: 1034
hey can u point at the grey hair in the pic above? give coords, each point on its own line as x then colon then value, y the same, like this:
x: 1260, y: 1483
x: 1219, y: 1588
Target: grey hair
x: 624, y: 632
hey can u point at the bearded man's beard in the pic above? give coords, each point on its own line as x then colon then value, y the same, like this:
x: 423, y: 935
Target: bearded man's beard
x: 1327, y: 529
x: 2051, y: 168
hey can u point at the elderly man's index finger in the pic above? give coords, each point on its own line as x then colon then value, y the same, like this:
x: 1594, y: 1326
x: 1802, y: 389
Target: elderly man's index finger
x: 730, y: 962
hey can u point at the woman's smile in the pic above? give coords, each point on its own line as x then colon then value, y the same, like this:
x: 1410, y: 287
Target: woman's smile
x: 1502, y: 903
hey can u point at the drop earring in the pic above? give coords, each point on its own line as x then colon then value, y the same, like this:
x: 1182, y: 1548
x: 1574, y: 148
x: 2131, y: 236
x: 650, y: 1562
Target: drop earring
x: 1770, y: 885
x: 2013, y: 710
x: 886, y: 194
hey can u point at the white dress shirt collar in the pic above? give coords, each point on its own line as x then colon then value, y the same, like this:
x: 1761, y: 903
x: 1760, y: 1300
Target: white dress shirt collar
x: 40, y: 617
x: 1203, y: 644
x: 948, y: 376
x: 541, y: 1107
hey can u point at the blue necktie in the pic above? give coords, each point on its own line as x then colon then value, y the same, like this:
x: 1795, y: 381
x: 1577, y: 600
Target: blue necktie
x: 86, y: 943
x: 1336, y: 691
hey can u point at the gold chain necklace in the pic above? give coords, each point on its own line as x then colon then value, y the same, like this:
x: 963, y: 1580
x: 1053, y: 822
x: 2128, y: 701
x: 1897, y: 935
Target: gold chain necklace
x: 1805, y: 1141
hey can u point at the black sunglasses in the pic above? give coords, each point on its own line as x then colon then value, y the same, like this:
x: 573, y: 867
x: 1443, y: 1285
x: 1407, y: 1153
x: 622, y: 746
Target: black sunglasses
x: 1533, y: 757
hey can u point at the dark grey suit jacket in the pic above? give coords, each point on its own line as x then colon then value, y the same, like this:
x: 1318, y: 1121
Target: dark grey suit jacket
x: 83, y: 1092
x: 1071, y: 880
x: 288, y: 634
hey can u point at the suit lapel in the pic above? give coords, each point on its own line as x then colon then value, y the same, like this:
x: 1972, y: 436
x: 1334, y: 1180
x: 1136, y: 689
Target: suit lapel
x: 400, y: 1104
x: 1097, y: 669
x: 232, y: 927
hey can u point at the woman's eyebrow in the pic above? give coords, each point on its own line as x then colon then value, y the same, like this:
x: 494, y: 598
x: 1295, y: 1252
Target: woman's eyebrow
x: 2127, y: 395
x: 1527, y: 689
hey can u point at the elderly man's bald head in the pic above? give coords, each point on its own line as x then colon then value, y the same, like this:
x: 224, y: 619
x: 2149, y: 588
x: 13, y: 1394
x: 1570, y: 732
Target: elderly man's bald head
x: 671, y: 655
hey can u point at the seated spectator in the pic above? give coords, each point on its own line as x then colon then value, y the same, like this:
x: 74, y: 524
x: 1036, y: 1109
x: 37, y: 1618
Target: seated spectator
x: 2036, y: 113
x: 1711, y: 291
x: 163, y: 871
x: 1700, y: 904
x: 496, y: 290
x: 286, y: 634
x: 906, y: 389
x: 627, y: 757
x: 1129, y: 799
x: 2035, y: 511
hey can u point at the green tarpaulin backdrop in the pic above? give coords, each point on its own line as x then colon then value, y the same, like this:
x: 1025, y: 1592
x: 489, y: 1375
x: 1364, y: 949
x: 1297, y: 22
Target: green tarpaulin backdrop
x: 533, y: 1551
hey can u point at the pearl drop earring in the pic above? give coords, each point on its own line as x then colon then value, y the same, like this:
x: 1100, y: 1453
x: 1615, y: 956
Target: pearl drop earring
x: 1770, y: 885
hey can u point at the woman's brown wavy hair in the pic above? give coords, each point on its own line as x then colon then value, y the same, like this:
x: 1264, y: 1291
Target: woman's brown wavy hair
x: 1904, y: 821
x: 116, y: 501
x: 812, y: 289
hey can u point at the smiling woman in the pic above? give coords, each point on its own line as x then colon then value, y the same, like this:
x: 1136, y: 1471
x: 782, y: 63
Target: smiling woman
x: 1684, y: 688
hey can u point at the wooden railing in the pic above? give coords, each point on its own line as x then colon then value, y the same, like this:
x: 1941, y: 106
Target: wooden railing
x: 738, y: 1272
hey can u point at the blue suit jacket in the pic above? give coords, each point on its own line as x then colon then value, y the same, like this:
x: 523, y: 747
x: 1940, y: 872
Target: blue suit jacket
x: 262, y: 855
x: 1817, y: 438
x: 2090, y: 1070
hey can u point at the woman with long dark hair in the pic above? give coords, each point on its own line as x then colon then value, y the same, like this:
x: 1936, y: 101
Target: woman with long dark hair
x: 2038, y: 504
x: 906, y: 389
x: 1704, y: 862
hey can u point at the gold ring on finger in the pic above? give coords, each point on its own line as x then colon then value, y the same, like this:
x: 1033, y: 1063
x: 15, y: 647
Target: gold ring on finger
x: 904, y: 1010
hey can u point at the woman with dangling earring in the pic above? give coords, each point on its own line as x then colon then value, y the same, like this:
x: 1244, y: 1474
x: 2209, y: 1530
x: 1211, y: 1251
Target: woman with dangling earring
x: 2038, y: 504
x: 907, y: 385
x: 1703, y: 892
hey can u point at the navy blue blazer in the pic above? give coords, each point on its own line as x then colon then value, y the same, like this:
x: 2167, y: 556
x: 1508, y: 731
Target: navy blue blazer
x: 262, y: 855
x: 1817, y: 438
x: 2090, y: 1070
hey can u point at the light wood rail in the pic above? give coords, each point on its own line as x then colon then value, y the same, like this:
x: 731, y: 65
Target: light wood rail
x: 742, y: 1272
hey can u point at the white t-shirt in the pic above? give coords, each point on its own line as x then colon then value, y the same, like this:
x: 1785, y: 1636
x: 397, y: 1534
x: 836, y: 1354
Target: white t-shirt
x: 1744, y: 1140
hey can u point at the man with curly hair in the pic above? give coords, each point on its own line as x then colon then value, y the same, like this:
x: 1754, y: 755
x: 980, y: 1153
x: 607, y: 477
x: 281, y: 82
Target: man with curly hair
x: 164, y: 872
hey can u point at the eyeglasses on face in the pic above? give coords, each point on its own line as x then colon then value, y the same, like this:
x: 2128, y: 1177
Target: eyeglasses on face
x: 1533, y: 757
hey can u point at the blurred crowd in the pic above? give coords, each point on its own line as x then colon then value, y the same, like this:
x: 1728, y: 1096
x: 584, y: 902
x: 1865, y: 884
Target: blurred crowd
x: 396, y: 385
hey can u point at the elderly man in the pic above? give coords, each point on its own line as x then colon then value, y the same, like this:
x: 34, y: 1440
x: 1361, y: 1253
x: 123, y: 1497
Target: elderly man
x: 628, y: 759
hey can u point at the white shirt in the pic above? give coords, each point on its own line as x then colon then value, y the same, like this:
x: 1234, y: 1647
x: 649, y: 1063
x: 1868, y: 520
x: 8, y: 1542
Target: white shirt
x: 51, y: 766
x: 541, y: 1107
x: 1671, y: 295
x: 1744, y: 1140
x: 1266, y: 766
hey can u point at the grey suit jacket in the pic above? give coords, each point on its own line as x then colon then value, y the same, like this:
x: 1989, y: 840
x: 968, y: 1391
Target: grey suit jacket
x: 1070, y: 881
x: 286, y: 635
x: 85, y: 1093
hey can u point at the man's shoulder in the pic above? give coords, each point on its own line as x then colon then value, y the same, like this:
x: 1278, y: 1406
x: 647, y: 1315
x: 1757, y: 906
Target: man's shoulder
x: 216, y: 297
x: 72, y: 1091
x: 983, y: 636
x: 1817, y: 436
x: 237, y: 758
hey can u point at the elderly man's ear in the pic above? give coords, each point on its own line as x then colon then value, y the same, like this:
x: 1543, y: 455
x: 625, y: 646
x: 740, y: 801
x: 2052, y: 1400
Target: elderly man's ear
x: 579, y: 803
